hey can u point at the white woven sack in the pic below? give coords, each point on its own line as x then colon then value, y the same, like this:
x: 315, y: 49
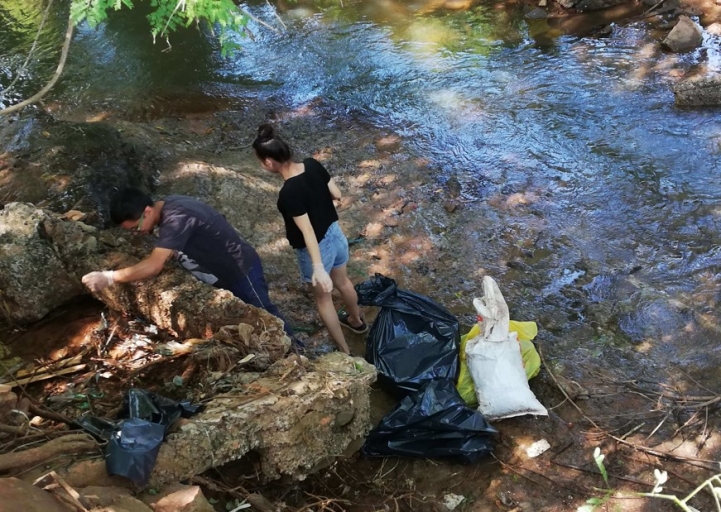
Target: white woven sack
x: 495, y: 364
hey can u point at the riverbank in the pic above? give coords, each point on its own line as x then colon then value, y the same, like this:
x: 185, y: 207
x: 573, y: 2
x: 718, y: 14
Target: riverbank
x: 407, y: 223
x: 628, y: 366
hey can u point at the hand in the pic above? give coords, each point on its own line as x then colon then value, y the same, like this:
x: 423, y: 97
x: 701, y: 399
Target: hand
x: 98, y: 281
x: 321, y: 278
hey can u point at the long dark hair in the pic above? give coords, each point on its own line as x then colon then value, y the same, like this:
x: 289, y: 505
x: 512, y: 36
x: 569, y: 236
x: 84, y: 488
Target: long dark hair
x: 268, y: 144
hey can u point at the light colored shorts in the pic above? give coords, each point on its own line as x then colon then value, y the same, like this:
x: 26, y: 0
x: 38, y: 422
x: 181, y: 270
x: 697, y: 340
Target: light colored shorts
x: 333, y: 252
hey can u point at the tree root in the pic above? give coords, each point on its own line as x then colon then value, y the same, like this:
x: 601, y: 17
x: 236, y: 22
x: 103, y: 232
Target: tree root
x: 74, y: 443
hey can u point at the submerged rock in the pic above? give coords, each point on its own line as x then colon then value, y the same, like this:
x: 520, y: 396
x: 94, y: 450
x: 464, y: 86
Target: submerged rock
x: 696, y: 92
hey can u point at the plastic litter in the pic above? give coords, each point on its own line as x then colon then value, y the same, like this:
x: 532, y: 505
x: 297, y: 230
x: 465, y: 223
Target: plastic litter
x: 134, y: 439
x: 433, y: 422
x: 413, y: 340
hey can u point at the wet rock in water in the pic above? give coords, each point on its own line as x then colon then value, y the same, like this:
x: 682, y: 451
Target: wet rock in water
x: 695, y: 92
x: 714, y: 29
x: 537, y: 14
x: 685, y: 36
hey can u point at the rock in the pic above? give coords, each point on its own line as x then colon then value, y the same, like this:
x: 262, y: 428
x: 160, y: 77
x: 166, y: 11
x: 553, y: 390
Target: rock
x: 714, y: 28
x: 43, y: 257
x: 537, y: 14
x: 685, y: 36
x: 543, y: 3
x: 92, y: 473
x: 596, y: 5
x: 567, y: 4
x: 288, y: 416
x: 179, y: 498
x: 8, y: 402
x: 705, y: 91
x: 450, y: 206
x: 112, y: 499
x: 33, y: 279
x: 16, y: 495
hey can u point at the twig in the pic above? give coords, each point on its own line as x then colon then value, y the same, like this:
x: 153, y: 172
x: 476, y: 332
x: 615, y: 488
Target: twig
x: 53, y: 80
x: 38, y: 410
x: 51, y: 375
x: 276, y: 14
x: 14, y: 429
x: 32, y: 49
x: 704, y: 463
x: 257, y: 20
x: 610, y: 475
x: 659, y: 425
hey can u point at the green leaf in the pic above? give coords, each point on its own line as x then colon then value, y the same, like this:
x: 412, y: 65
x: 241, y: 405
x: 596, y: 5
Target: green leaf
x: 598, y: 457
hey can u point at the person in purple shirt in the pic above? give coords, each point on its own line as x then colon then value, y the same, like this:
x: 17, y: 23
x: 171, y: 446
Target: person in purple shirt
x: 188, y: 226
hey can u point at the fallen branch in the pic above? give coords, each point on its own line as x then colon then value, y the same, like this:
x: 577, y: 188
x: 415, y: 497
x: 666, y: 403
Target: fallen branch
x: 38, y: 410
x: 74, y: 443
x: 50, y: 375
x: 52, y: 479
x: 53, y: 80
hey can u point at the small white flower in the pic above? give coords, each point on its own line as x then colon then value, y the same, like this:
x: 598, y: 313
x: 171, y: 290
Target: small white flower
x: 661, y: 476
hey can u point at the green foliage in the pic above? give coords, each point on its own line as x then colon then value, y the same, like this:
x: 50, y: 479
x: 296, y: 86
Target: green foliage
x: 595, y: 503
x: 170, y: 15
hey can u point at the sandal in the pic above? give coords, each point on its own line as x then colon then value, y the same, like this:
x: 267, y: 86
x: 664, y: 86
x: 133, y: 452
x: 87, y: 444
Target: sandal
x: 343, y: 318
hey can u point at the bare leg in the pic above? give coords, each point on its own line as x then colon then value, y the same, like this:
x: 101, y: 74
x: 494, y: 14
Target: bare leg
x: 348, y: 294
x: 329, y: 316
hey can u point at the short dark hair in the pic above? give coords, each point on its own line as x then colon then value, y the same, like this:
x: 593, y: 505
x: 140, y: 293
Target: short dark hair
x: 268, y: 144
x: 128, y: 204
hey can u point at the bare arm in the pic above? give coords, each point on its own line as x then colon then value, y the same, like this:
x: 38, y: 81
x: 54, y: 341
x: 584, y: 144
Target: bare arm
x: 149, y: 267
x: 334, y: 190
x: 311, y: 242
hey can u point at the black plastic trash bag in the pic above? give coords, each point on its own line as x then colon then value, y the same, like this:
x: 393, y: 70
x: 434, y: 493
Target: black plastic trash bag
x: 432, y: 423
x: 134, y: 439
x: 133, y: 450
x: 148, y: 406
x: 414, y: 340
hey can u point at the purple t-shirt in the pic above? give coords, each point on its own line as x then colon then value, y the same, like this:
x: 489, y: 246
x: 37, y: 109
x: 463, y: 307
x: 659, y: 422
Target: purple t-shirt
x: 204, y: 234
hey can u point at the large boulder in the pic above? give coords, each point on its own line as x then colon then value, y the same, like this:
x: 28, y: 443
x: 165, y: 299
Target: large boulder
x: 696, y: 92
x: 43, y: 257
x: 297, y: 416
x: 33, y: 278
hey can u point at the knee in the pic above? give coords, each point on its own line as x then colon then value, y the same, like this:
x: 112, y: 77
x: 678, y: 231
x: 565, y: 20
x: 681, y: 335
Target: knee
x: 322, y: 297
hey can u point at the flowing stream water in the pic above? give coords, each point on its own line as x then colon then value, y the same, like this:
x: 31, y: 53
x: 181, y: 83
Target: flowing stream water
x: 624, y: 181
